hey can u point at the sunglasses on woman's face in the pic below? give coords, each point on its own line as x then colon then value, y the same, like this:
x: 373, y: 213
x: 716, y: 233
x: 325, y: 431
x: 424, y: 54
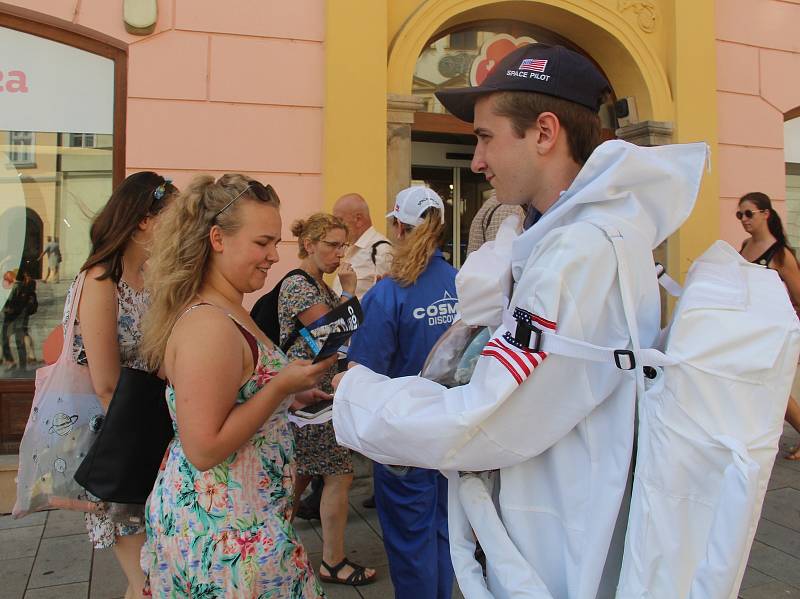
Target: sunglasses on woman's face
x: 747, y: 213
x: 263, y: 193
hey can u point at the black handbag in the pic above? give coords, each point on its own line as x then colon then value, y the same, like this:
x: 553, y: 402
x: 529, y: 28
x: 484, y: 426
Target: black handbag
x: 123, y: 462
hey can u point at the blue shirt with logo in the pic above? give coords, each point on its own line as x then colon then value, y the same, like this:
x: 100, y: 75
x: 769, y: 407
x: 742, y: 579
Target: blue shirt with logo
x: 402, y: 324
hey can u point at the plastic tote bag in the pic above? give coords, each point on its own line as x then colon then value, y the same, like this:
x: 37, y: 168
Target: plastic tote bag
x: 64, y: 421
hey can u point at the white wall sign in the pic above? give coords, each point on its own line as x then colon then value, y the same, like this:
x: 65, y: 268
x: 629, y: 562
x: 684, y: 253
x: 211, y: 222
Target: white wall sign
x: 48, y: 86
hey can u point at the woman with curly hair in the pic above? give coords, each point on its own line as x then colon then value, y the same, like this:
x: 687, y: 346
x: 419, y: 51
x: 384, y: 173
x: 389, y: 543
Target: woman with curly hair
x: 218, y: 518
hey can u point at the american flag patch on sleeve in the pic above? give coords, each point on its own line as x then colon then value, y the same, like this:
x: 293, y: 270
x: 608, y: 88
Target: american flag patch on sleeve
x: 520, y: 361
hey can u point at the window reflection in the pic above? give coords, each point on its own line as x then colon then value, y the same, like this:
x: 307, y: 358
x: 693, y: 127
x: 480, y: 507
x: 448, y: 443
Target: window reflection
x: 51, y: 185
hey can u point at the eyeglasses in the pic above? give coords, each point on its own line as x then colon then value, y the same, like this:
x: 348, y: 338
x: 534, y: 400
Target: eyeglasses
x: 261, y: 192
x: 747, y: 213
x: 336, y: 246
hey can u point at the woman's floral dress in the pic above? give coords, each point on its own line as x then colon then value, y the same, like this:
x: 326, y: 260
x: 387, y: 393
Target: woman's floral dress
x: 131, y: 307
x: 225, y: 532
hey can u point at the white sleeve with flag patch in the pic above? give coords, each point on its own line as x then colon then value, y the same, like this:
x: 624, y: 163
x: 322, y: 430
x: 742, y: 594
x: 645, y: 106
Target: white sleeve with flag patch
x: 517, y: 357
x: 519, y: 402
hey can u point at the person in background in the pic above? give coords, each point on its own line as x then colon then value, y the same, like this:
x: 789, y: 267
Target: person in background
x: 487, y: 221
x: 108, y: 325
x: 322, y: 243
x: 53, y: 253
x: 370, y: 252
x: 218, y: 516
x: 397, y: 335
x: 370, y: 256
x: 767, y: 245
x: 20, y: 305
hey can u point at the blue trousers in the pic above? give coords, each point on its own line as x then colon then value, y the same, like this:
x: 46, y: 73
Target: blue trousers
x: 412, y: 509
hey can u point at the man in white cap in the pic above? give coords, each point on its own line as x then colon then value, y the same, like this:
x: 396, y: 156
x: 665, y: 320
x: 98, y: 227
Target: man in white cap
x: 558, y: 429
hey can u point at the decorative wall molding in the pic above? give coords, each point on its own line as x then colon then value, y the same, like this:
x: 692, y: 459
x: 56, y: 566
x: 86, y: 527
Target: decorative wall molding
x: 645, y: 11
x: 647, y: 133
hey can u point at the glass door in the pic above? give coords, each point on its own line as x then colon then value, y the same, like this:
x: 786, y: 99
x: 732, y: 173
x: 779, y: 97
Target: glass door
x: 463, y: 193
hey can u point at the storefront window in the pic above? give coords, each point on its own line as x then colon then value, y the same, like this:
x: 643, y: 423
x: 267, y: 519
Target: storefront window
x: 56, y: 172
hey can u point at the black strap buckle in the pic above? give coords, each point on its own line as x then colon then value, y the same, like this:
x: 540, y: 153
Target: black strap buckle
x: 524, y: 333
x: 627, y: 356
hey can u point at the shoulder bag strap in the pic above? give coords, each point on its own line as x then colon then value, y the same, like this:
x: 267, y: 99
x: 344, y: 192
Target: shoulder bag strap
x: 69, y: 335
x: 284, y: 347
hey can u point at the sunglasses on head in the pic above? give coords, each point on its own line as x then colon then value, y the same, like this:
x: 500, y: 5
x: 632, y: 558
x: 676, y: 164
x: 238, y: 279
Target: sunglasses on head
x: 263, y: 193
x: 747, y: 213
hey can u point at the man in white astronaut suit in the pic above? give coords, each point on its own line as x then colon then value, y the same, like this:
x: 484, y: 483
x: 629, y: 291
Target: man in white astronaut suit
x: 560, y: 430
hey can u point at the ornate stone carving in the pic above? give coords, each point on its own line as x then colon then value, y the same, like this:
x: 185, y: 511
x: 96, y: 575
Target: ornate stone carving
x: 645, y: 11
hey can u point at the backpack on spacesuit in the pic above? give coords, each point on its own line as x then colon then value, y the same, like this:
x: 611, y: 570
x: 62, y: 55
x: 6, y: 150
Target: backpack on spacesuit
x: 711, y: 403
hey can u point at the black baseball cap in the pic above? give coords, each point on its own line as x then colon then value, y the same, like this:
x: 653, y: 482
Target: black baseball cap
x: 541, y: 68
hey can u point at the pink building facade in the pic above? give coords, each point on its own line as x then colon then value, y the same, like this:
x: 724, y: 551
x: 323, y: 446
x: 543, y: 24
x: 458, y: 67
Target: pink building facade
x: 758, y: 83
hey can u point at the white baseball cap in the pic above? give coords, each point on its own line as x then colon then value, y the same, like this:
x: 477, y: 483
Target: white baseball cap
x: 411, y: 203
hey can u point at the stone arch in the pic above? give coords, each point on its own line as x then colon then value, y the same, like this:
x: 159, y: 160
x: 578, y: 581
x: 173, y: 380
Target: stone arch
x: 606, y: 34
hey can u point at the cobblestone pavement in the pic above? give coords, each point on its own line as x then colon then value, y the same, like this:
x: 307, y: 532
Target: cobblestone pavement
x: 47, y: 555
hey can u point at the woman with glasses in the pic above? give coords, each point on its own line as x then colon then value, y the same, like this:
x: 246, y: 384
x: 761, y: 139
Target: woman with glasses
x: 767, y: 245
x: 405, y: 314
x: 218, y: 518
x: 108, y: 322
x: 322, y: 242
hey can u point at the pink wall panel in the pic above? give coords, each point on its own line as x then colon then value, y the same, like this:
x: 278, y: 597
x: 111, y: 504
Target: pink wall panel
x: 760, y: 23
x: 218, y: 136
x: 171, y: 65
x: 60, y: 9
x: 278, y: 71
x: 737, y: 68
x: 106, y: 16
x: 749, y: 121
x: 780, y: 79
x: 295, y: 19
x: 743, y: 169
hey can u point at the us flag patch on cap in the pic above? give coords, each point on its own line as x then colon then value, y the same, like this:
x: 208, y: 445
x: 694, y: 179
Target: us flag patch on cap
x: 533, y: 64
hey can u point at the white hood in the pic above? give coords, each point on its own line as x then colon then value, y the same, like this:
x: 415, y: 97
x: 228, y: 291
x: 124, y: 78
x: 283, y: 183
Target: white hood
x: 644, y: 192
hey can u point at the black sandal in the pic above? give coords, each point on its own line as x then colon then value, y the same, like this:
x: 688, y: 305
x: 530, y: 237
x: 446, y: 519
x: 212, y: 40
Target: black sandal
x: 357, y: 578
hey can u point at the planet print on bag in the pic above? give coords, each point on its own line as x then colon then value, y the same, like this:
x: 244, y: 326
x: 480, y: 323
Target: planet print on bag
x: 62, y: 424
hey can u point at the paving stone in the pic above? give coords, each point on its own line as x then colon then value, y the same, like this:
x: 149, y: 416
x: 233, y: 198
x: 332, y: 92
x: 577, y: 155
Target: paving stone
x: 753, y: 577
x: 20, y: 542
x: 108, y: 579
x: 34, y: 519
x: 775, y: 563
x: 381, y: 588
x: 63, y: 591
x: 783, y: 477
x: 62, y: 560
x: 783, y: 506
x: 61, y: 523
x: 309, y: 536
x: 772, y: 590
x: 779, y: 537
x: 14, y: 576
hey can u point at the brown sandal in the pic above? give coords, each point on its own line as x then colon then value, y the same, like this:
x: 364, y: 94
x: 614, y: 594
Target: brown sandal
x: 357, y: 577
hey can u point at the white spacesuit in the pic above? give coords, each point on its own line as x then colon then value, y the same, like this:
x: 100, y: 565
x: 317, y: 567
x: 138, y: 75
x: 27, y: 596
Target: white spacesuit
x: 560, y: 430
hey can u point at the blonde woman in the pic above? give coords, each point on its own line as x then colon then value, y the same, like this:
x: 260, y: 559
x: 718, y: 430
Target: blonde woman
x: 322, y: 242
x: 404, y: 316
x: 218, y: 517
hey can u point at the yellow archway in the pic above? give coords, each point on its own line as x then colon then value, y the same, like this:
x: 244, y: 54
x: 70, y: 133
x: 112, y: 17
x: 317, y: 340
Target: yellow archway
x: 661, y: 52
x: 630, y: 63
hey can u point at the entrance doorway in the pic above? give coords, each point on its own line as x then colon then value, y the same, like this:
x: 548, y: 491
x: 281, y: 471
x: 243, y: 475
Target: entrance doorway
x: 445, y: 168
